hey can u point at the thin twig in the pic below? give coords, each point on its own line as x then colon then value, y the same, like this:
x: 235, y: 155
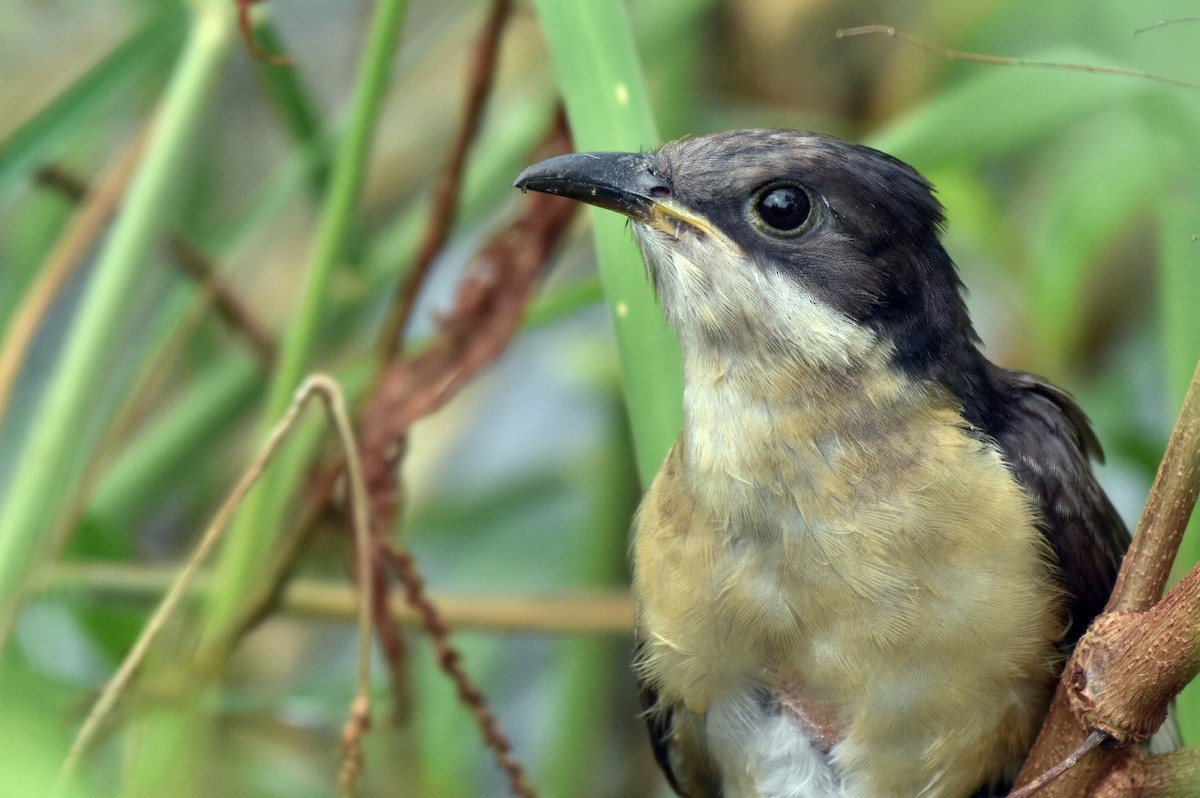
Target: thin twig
x: 61, y: 179
x: 78, y: 238
x: 192, y: 261
x: 391, y: 645
x: 445, y: 193
x: 1162, y: 23
x: 591, y: 612
x: 450, y: 661
x: 229, y: 306
x: 982, y: 58
x: 246, y: 27
x: 317, y: 385
x: 267, y: 592
x: 1094, y: 739
x: 359, y: 719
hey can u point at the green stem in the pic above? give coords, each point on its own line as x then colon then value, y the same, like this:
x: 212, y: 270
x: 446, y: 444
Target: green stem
x: 261, y: 521
x: 605, y: 95
x: 1179, y: 283
x: 584, y: 704
x: 58, y: 445
x: 161, y: 454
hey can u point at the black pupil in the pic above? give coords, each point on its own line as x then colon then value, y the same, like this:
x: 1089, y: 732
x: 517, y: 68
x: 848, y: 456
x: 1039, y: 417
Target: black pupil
x: 784, y: 208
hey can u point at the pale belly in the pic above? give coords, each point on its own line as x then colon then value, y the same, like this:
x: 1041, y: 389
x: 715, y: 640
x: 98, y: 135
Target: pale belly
x: 764, y: 751
x: 854, y: 629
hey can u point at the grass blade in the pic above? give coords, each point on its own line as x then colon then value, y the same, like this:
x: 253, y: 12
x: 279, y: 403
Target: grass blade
x: 605, y: 94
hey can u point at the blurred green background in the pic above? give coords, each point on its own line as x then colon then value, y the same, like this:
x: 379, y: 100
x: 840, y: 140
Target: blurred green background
x: 1074, y: 207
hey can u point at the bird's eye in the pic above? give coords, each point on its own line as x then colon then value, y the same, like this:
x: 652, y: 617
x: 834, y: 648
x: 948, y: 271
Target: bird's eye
x: 782, y: 210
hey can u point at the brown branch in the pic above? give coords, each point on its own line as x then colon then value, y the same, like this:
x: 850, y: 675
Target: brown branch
x: 1139, y: 583
x: 450, y: 661
x: 386, y: 441
x: 1147, y: 564
x: 1130, y: 665
x: 484, y: 319
x: 445, y: 193
x: 485, y: 316
x: 1173, y: 775
x: 391, y: 644
x: 1000, y: 60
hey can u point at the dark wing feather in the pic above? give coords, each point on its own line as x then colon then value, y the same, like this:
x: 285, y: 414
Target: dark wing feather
x: 658, y: 723
x: 675, y: 745
x: 1048, y: 444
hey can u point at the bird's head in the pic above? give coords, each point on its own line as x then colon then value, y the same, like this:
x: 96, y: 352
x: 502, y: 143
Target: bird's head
x: 808, y: 248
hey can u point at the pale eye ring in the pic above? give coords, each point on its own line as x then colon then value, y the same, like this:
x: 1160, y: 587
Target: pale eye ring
x: 782, y: 209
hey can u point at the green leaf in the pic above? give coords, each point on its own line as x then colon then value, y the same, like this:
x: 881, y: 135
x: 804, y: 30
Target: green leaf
x: 602, y: 84
x: 52, y: 459
x: 1002, y: 109
x: 261, y: 521
x: 1092, y: 189
x: 140, y: 54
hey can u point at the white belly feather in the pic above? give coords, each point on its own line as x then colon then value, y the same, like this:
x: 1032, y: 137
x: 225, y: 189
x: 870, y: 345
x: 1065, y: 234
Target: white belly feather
x: 892, y: 573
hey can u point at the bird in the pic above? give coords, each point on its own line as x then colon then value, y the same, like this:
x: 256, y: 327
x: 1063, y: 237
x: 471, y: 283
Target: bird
x: 860, y: 567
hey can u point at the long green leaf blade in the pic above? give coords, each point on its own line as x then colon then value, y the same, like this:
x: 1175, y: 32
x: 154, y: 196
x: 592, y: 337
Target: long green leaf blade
x: 605, y: 94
